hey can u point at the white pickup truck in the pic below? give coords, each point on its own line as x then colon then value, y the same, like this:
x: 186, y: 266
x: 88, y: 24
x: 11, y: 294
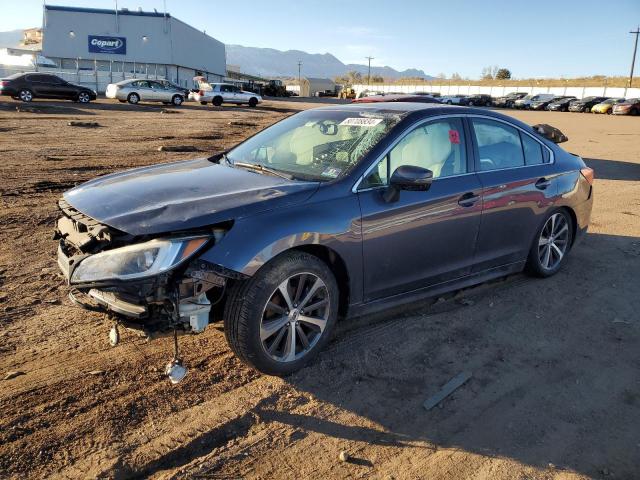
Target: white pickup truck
x: 219, y: 93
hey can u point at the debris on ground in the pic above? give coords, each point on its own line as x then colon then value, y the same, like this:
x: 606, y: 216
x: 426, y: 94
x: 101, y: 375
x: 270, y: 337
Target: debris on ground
x: 13, y: 374
x: 344, y: 456
x: 467, y: 302
x: 237, y: 123
x: 177, y: 148
x: 96, y: 372
x: 449, y: 387
x: 165, y: 110
x: 74, y: 123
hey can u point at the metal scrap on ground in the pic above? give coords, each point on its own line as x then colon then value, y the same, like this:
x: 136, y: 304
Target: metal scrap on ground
x: 448, y: 388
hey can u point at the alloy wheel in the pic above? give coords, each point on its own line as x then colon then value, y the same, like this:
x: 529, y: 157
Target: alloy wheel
x: 26, y: 95
x: 83, y: 97
x: 553, y: 241
x: 295, y: 317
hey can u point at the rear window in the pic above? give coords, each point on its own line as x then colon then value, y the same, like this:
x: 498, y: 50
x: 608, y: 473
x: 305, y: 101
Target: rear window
x: 14, y: 76
x: 533, y: 152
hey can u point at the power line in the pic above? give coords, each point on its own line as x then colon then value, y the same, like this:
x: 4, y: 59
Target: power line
x: 633, y: 59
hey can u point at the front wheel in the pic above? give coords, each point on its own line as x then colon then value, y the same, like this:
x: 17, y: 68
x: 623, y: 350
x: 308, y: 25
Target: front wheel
x: 133, y: 98
x: 25, y: 95
x: 551, y: 244
x: 278, y: 320
x: 84, y: 97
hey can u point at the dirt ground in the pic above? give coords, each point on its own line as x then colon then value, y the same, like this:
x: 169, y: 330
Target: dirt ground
x: 555, y: 392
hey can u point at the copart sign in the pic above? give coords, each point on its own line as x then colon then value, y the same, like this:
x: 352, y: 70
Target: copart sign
x: 100, y: 44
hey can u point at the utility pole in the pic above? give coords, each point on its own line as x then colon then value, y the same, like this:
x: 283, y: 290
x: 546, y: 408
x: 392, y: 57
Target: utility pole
x: 299, y: 66
x: 633, y: 59
x: 369, y: 73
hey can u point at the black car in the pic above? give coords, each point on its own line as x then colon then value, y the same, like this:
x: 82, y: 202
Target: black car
x: 332, y: 212
x: 561, y: 104
x: 27, y: 86
x: 543, y: 104
x: 508, y: 100
x: 480, y: 100
x: 585, y: 104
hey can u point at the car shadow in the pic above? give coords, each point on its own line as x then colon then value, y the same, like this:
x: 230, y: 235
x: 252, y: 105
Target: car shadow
x: 614, y: 169
x: 554, y: 362
x: 44, y: 108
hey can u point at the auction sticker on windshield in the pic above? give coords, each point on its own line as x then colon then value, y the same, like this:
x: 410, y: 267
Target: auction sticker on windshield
x: 361, y: 122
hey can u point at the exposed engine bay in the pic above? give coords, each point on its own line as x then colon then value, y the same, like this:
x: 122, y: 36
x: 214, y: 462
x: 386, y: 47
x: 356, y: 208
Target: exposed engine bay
x: 176, y: 297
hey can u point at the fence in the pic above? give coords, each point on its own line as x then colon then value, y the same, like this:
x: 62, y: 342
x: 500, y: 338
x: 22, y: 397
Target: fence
x: 498, y: 91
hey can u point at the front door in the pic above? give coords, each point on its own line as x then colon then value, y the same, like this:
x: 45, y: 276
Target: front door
x: 424, y: 237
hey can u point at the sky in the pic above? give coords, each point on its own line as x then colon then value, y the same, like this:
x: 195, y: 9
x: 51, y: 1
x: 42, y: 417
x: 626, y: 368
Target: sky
x: 541, y: 38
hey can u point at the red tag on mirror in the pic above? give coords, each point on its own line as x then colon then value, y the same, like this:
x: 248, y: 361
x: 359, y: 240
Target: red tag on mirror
x: 454, y: 136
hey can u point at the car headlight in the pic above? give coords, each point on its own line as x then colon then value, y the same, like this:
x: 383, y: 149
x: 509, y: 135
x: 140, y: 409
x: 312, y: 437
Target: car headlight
x: 137, y: 261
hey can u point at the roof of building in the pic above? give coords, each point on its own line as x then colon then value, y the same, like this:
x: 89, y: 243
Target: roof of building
x: 109, y: 11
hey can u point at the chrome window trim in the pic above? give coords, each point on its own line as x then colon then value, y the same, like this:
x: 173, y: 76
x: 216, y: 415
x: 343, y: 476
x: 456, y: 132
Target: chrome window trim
x: 354, y: 188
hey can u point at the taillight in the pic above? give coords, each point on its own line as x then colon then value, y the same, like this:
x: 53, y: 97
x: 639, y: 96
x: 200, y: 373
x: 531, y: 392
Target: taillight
x: 201, y: 93
x: 4, y: 84
x: 588, y: 174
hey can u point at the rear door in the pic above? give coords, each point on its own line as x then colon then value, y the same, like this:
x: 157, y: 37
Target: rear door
x: 424, y: 237
x: 42, y: 86
x: 518, y: 189
x: 159, y: 93
x: 143, y: 88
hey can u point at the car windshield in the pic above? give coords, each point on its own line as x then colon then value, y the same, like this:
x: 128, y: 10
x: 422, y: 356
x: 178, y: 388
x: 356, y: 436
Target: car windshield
x: 318, y: 145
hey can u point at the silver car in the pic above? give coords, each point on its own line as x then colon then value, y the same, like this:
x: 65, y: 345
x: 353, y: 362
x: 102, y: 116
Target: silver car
x: 135, y: 91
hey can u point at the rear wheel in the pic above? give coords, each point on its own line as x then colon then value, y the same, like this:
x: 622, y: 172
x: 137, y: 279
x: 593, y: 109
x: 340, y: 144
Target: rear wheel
x: 217, y: 101
x: 25, y: 95
x: 280, y: 319
x: 203, y: 103
x: 177, y: 100
x: 133, y: 98
x: 551, y: 244
x: 253, y: 101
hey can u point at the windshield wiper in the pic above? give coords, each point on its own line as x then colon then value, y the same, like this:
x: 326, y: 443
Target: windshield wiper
x: 261, y: 168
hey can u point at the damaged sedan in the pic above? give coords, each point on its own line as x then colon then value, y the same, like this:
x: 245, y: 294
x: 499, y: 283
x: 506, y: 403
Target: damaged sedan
x: 332, y: 212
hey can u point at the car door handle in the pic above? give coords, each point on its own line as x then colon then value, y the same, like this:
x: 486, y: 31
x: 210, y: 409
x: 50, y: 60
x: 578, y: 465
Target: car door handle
x: 542, y: 184
x: 469, y: 199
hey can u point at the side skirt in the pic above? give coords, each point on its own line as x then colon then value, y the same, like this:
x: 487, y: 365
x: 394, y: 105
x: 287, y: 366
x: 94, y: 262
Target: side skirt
x: 360, y: 309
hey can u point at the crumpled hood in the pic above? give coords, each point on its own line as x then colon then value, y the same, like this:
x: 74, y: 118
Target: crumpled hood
x: 182, y: 196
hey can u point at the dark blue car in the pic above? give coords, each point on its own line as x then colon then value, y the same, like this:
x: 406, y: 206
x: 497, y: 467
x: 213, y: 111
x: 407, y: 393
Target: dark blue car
x: 332, y: 212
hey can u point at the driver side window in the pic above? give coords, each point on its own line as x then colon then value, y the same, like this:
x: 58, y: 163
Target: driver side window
x: 438, y: 146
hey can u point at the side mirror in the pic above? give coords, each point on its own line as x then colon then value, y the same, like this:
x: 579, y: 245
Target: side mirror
x: 408, y: 177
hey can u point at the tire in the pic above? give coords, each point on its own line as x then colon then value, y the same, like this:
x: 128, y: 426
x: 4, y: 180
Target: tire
x: 133, y: 98
x: 265, y: 344
x: 84, y: 97
x: 217, y: 101
x: 449, y: 102
x: 177, y: 100
x: 543, y: 264
x: 25, y: 95
x: 253, y: 102
x: 122, y: 101
x: 203, y: 103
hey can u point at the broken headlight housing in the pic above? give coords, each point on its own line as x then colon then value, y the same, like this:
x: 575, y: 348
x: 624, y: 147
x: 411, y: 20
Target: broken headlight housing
x: 137, y: 261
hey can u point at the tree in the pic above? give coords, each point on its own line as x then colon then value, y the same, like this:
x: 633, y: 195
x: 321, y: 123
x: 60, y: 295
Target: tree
x: 456, y: 76
x: 503, y: 74
x: 377, y: 79
x: 486, y: 74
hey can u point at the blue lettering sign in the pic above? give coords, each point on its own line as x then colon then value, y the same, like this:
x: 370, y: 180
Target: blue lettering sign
x: 115, y: 45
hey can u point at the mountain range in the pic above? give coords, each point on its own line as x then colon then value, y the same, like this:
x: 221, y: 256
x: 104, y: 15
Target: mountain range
x: 268, y: 62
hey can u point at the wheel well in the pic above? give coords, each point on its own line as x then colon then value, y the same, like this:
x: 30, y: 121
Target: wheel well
x: 337, y: 266
x: 574, y: 222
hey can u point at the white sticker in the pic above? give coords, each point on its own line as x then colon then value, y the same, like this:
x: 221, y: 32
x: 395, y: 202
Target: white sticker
x: 361, y: 122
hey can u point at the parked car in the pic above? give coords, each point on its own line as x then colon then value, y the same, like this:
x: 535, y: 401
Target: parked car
x: 397, y: 97
x: 631, y: 106
x: 331, y: 212
x: 508, y: 100
x: 219, y: 93
x: 585, y: 104
x: 135, y: 91
x: 606, y: 106
x: 27, y: 86
x: 560, y: 105
x: 525, y: 102
x: 544, y: 104
x: 480, y: 100
x: 454, y: 99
